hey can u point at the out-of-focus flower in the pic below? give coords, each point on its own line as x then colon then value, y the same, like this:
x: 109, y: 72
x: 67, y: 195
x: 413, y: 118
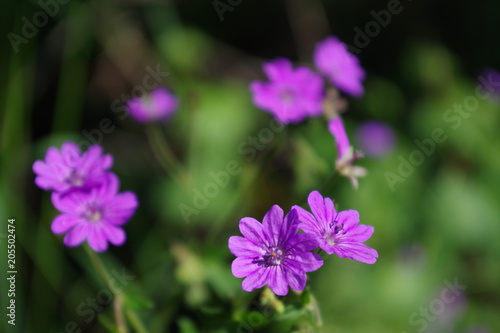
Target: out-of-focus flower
x: 291, y: 95
x: 272, y: 252
x: 96, y: 215
x: 342, y: 68
x: 158, y: 106
x: 68, y: 169
x: 346, y: 154
x: 489, y: 79
x: 337, y: 233
x: 375, y: 138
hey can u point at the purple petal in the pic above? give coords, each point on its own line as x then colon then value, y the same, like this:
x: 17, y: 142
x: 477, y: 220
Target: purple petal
x: 70, y: 153
x: 278, y: 69
x: 52, y: 156
x: 76, y: 236
x: 348, y: 219
x: 359, y: 233
x: 277, y: 281
x: 302, y: 243
x: 64, y: 222
x: 115, y: 235
x: 318, y: 207
x: 336, y: 127
x: 243, y: 247
x: 93, y: 162
x: 107, y: 191
x: 67, y: 203
x: 295, y: 277
x: 306, y: 261
x: 289, y: 228
x: 356, y: 251
x: 256, y: 280
x: 120, y: 208
x: 308, y: 221
x: 96, y: 238
x: 243, y: 267
x: 272, y: 223
x: 254, y: 231
x: 342, y: 68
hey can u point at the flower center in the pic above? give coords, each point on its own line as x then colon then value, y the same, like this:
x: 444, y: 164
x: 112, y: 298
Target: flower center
x: 336, y: 229
x: 274, y: 256
x: 286, y: 96
x: 74, y: 179
x: 93, y: 213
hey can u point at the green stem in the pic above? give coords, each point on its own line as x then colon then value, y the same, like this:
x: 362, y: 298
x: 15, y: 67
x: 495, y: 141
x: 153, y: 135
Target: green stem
x: 117, y: 309
x: 164, y: 154
x: 118, y: 299
x: 135, y: 321
x: 101, y: 270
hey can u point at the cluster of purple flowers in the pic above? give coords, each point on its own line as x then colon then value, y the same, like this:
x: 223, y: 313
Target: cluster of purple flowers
x: 86, y: 194
x: 292, y: 95
x: 274, y: 253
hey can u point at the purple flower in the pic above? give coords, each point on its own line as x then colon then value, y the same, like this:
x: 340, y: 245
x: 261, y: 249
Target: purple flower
x: 96, y: 215
x: 488, y: 79
x: 291, y: 95
x: 337, y: 233
x: 159, y: 105
x: 272, y: 252
x: 69, y: 169
x: 342, y: 68
x: 346, y: 154
x: 375, y: 138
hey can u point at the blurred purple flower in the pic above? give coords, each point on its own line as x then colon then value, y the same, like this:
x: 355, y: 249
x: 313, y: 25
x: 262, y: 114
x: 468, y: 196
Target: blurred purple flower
x: 342, y: 68
x: 489, y: 79
x: 69, y: 169
x: 159, y: 105
x: 337, y: 233
x: 375, y: 138
x: 95, y: 216
x: 453, y: 309
x: 346, y: 154
x: 272, y: 252
x: 291, y: 95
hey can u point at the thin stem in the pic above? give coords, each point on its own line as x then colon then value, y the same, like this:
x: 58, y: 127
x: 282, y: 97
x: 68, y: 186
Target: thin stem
x: 118, y: 300
x: 98, y: 264
x: 117, y: 309
x: 164, y: 154
x: 135, y: 321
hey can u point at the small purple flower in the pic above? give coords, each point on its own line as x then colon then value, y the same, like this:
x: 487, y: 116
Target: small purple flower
x: 96, y: 215
x: 488, y: 79
x: 337, y: 233
x: 375, y: 138
x: 346, y: 154
x: 68, y: 169
x: 341, y: 67
x: 159, y: 105
x: 272, y: 252
x: 291, y: 95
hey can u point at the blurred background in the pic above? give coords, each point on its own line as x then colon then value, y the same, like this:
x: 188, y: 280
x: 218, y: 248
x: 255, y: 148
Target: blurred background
x: 431, y: 192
